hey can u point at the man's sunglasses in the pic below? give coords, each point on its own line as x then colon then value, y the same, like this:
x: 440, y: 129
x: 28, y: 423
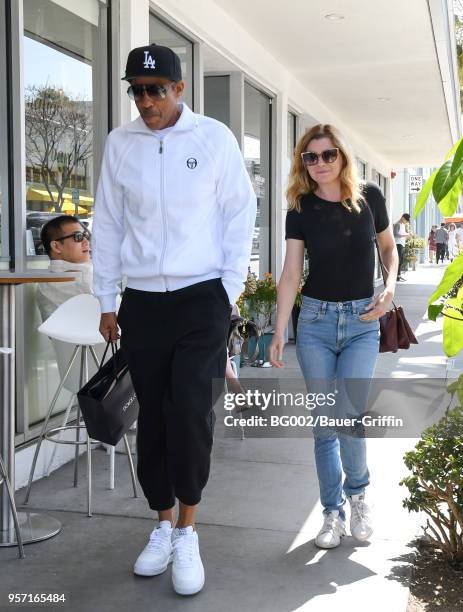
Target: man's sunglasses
x: 77, y: 236
x: 311, y: 159
x: 156, y: 92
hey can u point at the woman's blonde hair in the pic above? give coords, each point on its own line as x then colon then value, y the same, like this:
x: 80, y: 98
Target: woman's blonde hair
x: 300, y: 182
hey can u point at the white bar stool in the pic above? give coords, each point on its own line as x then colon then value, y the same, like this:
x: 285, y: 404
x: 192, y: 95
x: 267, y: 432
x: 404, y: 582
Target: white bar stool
x: 75, y: 322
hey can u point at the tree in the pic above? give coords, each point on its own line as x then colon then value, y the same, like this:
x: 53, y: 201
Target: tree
x: 58, y: 137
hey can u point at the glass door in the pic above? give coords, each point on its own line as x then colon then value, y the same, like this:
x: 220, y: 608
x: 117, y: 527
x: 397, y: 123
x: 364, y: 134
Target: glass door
x: 257, y: 157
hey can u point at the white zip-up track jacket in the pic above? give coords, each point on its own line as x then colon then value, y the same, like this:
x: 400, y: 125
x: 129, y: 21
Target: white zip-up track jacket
x: 173, y: 211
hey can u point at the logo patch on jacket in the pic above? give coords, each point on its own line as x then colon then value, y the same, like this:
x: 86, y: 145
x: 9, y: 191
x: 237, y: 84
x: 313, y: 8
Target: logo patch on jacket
x: 149, y: 61
x: 191, y: 162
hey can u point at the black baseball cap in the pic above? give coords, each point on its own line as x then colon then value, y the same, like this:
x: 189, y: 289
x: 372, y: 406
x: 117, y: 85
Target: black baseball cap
x: 153, y: 60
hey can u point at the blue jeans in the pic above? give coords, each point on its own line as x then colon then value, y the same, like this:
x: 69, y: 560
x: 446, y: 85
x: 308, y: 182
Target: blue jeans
x: 334, y: 345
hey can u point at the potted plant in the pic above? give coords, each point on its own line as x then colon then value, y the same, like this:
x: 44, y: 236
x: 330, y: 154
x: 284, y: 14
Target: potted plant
x: 412, y: 246
x: 257, y: 302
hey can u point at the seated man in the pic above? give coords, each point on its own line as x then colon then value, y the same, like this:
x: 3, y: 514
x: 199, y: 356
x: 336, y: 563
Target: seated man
x: 66, y: 243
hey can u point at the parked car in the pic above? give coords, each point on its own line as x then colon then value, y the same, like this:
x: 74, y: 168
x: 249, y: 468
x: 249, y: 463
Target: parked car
x: 34, y: 222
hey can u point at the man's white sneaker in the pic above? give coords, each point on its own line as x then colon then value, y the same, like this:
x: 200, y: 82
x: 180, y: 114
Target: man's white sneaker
x: 360, y: 518
x: 187, y: 568
x: 157, y: 554
x: 333, y: 529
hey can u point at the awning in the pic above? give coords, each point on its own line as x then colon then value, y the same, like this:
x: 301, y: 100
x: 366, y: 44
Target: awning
x: 70, y: 209
x: 454, y: 219
x: 42, y: 195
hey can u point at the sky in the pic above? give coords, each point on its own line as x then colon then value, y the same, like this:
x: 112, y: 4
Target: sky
x: 46, y: 65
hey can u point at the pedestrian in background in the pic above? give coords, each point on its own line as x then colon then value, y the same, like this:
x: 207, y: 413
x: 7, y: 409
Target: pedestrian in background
x: 400, y: 237
x: 441, y: 242
x: 432, y: 243
x: 452, y: 242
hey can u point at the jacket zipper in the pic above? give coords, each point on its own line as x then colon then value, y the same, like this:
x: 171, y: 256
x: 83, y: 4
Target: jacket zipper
x: 164, y: 214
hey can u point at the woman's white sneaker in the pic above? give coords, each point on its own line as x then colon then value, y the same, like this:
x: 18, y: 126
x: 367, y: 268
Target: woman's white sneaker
x: 360, y: 518
x: 157, y: 554
x: 187, y: 568
x: 333, y: 529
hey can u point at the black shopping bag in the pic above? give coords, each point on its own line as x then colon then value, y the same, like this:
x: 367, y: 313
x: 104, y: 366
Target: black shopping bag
x: 108, y: 402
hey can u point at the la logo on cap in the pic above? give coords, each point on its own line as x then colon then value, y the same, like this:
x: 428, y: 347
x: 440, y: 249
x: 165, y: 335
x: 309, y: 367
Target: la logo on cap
x: 149, y: 61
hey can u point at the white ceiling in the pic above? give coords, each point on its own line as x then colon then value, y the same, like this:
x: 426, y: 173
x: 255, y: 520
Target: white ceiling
x: 381, y: 49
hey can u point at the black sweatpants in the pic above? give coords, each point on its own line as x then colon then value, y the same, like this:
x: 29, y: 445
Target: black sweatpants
x: 175, y: 345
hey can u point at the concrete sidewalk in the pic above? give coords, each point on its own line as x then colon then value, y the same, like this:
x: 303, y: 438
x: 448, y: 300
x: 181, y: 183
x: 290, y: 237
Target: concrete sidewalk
x: 257, y: 523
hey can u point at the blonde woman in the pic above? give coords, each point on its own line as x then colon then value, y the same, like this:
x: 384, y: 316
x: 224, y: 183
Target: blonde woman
x: 338, y: 328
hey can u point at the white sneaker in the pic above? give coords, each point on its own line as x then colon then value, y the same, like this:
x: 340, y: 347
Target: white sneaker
x: 334, y: 528
x: 157, y: 554
x: 187, y: 568
x: 360, y: 518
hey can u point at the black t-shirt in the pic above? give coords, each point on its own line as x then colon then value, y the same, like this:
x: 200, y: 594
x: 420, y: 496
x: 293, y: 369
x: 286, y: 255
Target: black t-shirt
x: 339, y: 244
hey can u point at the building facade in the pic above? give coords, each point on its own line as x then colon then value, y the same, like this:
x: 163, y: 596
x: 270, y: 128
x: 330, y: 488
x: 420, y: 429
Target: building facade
x: 266, y: 70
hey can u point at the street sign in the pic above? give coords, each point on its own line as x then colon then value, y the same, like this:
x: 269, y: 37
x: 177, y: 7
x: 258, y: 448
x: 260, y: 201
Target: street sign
x: 75, y: 196
x: 415, y: 183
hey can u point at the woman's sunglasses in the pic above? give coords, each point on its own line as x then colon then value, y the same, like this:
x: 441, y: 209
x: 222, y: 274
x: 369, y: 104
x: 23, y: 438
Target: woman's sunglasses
x: 311, y: 159
x: 156, y: 92
x: 78, y: 236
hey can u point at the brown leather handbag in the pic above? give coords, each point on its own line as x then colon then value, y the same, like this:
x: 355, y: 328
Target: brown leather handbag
x: 395, y: 331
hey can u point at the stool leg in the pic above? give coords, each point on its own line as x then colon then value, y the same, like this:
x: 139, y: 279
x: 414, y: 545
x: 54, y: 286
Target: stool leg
x: 112, y: 453
x: 84, y: 374
x: 60, y: 435
x: 95, y: 358
x: 83, y: 355
x: 6, y: 482
x: 89, y: 476
x: 45, y: 424
x: 132, y: 471
x: 235, y: 370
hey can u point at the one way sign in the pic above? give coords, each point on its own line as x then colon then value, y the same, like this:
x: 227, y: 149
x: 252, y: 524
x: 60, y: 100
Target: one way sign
x: 415, y: 183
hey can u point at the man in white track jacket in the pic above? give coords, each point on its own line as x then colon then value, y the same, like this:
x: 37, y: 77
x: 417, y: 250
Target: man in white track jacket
x: 174, y: 214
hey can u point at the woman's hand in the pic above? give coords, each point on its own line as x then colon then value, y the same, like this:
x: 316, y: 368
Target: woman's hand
x: 275, y: 350
x: 379, y: 306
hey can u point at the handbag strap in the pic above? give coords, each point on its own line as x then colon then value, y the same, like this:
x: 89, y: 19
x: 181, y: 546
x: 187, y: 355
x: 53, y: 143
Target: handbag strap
x: 113, y: 351
x: 375, y: 240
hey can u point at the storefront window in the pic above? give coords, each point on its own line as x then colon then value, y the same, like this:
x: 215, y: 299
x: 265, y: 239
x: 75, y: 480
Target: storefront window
x: 66, y: 121
x: 65, y: 105
x: 162, y: 34
x: 257, y: 134
x: 217, y: 98
x: 4, y: 250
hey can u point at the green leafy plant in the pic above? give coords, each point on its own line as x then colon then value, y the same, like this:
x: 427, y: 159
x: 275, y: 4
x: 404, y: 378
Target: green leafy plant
x: 412, y: 246
x: 449, y: 295
x: 259, y: 298
x: 435, y: 485
x: 445, y: 183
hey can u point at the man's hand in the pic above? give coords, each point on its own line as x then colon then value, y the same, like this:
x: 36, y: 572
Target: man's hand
x: 108, y: 326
